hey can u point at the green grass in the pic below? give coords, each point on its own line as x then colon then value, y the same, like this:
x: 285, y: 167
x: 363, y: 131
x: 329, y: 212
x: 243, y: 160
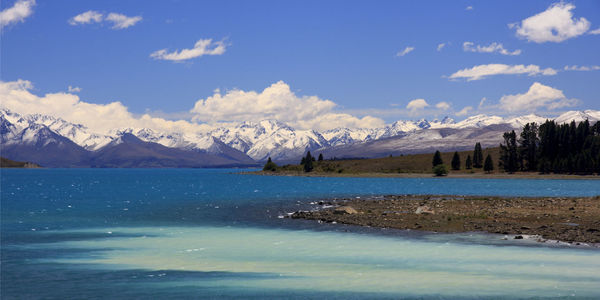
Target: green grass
x: 416, y: 163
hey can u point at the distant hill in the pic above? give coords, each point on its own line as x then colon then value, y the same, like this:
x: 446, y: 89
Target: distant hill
x: 7, y: 163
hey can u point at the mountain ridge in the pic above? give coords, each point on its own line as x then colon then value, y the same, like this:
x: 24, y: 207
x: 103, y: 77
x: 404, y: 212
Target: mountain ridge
x: 248, y: 143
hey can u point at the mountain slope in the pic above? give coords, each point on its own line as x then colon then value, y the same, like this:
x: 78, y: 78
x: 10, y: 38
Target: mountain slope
x: 128, y: 151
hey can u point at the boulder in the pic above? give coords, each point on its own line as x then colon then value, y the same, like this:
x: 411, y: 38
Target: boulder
x: 342, y: 210
x: 425, y: 210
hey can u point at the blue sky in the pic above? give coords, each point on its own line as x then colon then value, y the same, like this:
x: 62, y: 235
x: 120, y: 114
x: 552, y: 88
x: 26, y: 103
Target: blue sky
x: 343, y: 51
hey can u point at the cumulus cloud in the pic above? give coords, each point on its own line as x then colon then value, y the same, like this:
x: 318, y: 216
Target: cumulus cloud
x: 581, y: 68
x: 469, y: 8
x: 443, y: 105
x: 416, y: 104
x: 101, y: 118
x: 464, y: 111
x: 17, y: 13
x: 406, y: 50
x: 74, y: 89
x: 280, y: 103
x: 121, y: 21
x: 555, y: 24
x: 538, y: 96
x: 595, y: 31
x: 202, y: 47
x: 491, y: 48
x: 483, y: 71
x: 87, y: 17
x: 441, y: 46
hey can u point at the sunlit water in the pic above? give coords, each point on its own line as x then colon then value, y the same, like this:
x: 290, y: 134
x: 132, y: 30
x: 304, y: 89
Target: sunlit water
x: 88, y: 233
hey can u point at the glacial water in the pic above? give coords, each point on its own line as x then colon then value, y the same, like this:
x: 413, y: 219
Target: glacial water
x: 203, y: 233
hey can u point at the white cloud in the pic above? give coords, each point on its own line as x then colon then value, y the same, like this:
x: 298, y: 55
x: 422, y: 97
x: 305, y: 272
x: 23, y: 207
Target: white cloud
x: 469, y: 8
x: 538, y: 96
x: 275, y: 102
x: 416, y: 104
x: 202, y: 47
x: 74, y: 89
x: 101, y: 118
x: 555, y: 24
x: 121, y: 21
x: 581, y: 68
x: 595, y: 31
x: 405, y: 51
x: 482, y: 102
x: 280, y: 103
x: 87, y: 17
x: 482, y: 71
x: 441, y: 46
x: 17, y: 13
x: 491, y: 48
x: 464, y: 111
x: 443, y: 105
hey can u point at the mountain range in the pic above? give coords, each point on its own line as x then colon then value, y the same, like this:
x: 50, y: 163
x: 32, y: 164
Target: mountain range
x: 53, y: 142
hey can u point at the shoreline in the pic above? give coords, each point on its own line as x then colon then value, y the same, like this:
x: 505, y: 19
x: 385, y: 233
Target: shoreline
x: 574, y: 220
x: 429, y: 175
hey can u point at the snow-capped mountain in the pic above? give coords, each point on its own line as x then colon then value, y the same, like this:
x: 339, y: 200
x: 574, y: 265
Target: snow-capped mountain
x: 77, y: 133
x: 269, y: 138
x: 257, y: 141
x: 578, y: 116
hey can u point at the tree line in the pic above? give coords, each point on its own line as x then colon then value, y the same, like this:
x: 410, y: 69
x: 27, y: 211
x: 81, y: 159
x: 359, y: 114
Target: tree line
x: 550, y: 147
x: 470, y: 163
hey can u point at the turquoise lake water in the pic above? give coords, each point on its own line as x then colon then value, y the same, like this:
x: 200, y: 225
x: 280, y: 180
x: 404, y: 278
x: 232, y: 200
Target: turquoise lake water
x: 212, y: 233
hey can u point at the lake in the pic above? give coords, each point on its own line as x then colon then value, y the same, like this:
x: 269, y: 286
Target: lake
x: 213, y: 233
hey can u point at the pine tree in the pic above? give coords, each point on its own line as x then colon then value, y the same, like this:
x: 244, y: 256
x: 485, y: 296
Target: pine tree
x: 478, y: 156
x: 320, y: 157
x: 437, y: 158
x: 308, y: 162
x: 270, y: 165
x: 508, y: 152
x: 468, y: 163
x: 528, y: 147
x: 456, y: 161
x: 488, y: 166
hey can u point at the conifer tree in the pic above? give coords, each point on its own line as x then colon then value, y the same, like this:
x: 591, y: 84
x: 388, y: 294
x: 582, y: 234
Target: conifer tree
x: 308, y: 162
x: 509, y: 159
x: 270, y: 165
x: 468, y: 163
x: 455, y: 161
x: 528, y: 147
x: 488, y: 166
x: 477, y: 156
x: 437, y: 158
x: 320, y: 157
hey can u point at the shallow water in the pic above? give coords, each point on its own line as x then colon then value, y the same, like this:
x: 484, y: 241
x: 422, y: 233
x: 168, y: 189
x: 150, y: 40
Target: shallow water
x: 84, y: 233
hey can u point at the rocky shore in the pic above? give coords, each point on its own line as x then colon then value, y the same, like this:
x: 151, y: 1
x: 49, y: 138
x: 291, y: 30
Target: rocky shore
x: 574, y: 220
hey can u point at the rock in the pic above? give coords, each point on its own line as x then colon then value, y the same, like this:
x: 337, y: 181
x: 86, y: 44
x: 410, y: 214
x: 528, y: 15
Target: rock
x: 424, y: 210
x: 342, y: 210
x: 518, y: 237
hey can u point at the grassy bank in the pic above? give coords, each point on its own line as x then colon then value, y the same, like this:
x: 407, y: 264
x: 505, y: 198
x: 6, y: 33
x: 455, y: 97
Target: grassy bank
x: 415, y: 165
